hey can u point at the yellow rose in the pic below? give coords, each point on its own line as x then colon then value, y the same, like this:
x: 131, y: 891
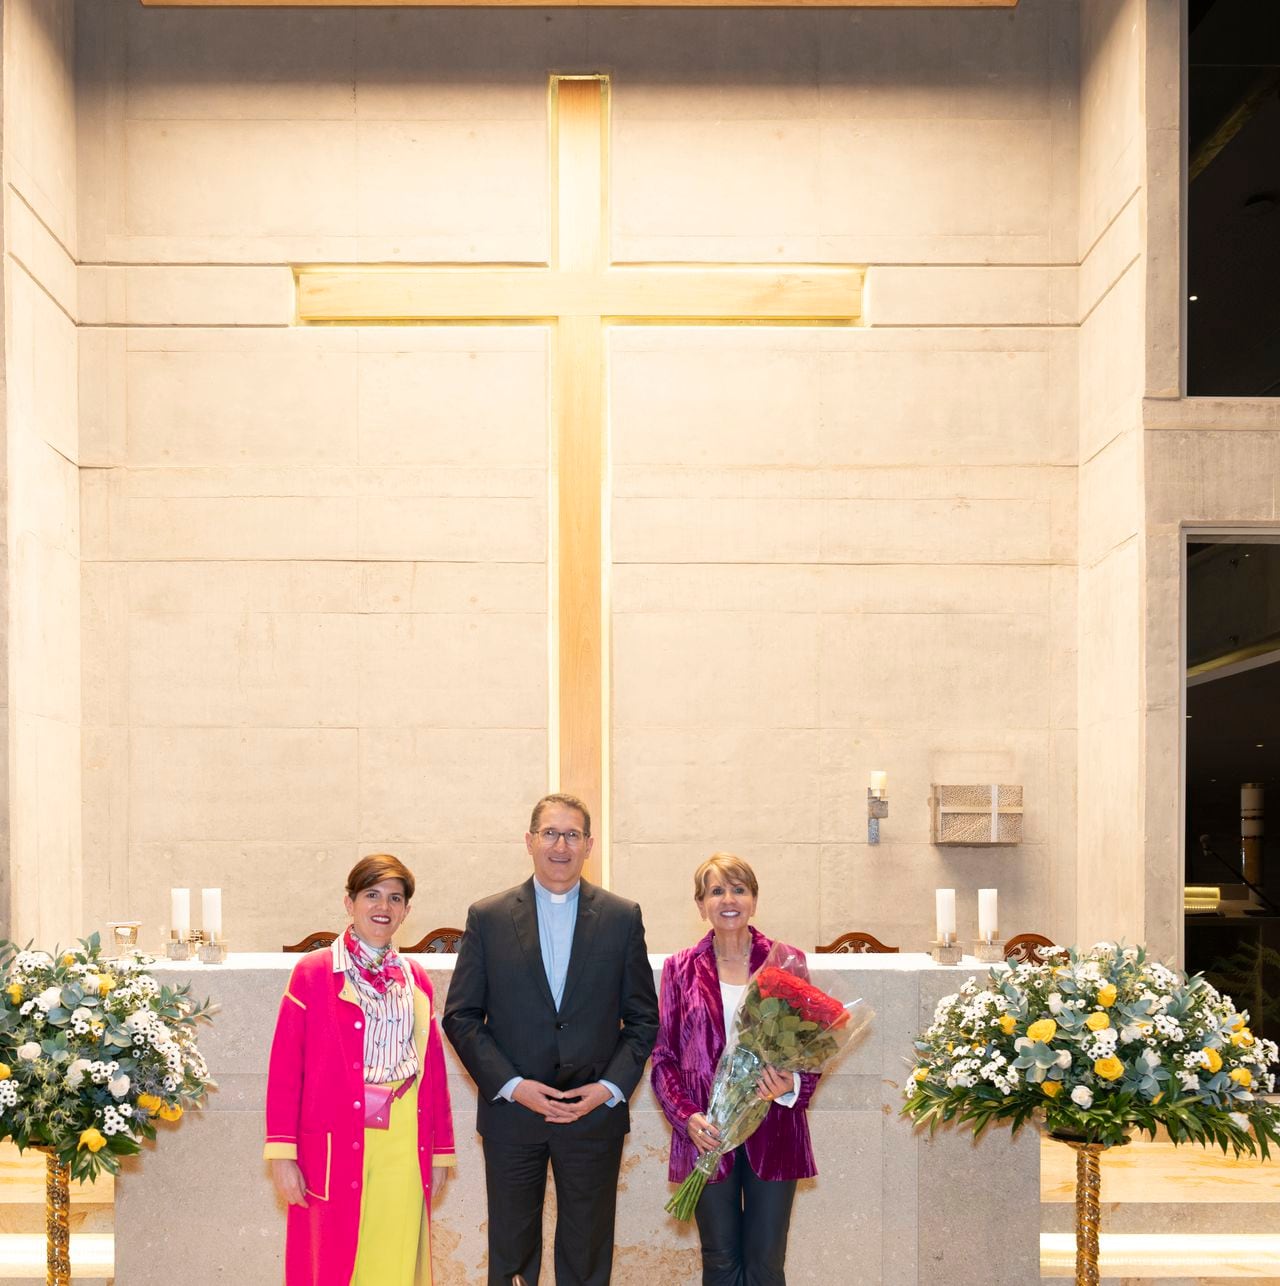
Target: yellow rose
x: 1242, y: 1077
x: 1097, y: 1021
x: 1046, y: 1029
x: 1212, y: 1059
x: 92, y: 1139
x: 15, y: 993
x: 1107, y: 995
x: 1052, y: 1088
x: 69, y: 958
x: 1109, y: 1069
x: 170, y: 1112
x: 1239, y: 1023
x: 105, y: 983
x: 920, y: 1074
x: 1244, y: 1037
x: 1007, y: 1024
x: 150, y: 1102
x: 5, y: 1071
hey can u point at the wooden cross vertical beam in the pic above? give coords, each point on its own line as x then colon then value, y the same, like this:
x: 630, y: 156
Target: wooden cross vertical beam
x: 579, y: 245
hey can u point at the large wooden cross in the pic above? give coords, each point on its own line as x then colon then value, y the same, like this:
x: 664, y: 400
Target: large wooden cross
x: 578, y: 293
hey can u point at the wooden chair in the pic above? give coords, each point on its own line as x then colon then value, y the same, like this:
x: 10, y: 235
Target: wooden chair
x: 856, y: 944
x: 438, y: 941
x: 1033, y: 948
x: 313, y: 941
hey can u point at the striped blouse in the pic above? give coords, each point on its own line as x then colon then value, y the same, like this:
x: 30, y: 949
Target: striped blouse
x: 389, y: 1054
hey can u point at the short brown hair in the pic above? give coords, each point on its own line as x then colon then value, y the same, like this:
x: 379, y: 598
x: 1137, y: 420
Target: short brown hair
x: 565, y: 801
x: 375, y: 868
x: 727, y: 866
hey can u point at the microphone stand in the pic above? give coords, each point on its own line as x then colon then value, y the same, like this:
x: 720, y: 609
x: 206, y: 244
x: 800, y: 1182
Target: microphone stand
x: 1237, y: 877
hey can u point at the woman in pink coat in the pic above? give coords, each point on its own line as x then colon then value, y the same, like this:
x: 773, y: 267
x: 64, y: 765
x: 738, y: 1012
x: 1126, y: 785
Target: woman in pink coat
x: 359, y: 1132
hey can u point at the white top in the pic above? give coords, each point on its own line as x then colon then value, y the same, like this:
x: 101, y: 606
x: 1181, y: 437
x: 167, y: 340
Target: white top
x: 730, y: 994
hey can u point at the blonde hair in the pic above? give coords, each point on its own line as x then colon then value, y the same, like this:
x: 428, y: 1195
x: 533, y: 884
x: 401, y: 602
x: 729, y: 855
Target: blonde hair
x: 726, y: 866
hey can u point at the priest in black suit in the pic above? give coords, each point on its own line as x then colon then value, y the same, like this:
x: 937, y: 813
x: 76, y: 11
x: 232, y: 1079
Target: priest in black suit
x: 553, y: 1012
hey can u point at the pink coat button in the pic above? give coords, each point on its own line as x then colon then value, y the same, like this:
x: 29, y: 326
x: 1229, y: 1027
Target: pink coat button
x: 357, y: 1105
x: 359, y: 1024
x: 355, y: 1183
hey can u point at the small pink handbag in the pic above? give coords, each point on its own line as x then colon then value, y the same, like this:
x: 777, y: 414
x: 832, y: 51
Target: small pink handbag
x: 378, y: 1100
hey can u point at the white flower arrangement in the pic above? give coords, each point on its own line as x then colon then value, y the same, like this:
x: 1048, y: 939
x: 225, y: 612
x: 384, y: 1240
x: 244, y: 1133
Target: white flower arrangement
x: 92, y: 1051
x: 1098, y: 1046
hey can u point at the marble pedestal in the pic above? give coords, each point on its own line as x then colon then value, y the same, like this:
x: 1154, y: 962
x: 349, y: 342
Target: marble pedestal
x: 890, y: 1206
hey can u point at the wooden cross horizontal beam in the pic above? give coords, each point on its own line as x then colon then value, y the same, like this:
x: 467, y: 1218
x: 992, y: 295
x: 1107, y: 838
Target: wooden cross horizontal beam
x: 682, y: 294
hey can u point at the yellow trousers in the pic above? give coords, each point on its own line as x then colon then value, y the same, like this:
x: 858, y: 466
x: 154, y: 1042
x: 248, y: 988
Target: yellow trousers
x: 395, y: 1238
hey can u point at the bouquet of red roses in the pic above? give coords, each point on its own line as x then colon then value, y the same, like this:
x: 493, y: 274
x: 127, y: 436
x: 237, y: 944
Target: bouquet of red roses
x: 782, y: 1021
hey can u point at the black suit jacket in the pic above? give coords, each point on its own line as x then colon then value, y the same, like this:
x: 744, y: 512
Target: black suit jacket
x: 503, y: 1022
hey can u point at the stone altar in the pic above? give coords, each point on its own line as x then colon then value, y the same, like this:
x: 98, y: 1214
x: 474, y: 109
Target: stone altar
x: 889, y: 1206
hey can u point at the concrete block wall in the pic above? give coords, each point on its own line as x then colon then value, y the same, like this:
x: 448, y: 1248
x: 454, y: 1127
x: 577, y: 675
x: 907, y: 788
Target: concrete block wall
x: 41, y: 623
x: 314, y: 560
x: 1110, y: 875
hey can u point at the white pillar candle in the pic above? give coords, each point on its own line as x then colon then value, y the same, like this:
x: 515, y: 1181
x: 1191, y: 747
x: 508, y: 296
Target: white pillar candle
x: 988, y: 920
x: 879, y: 784
x: 211, y: 913
x: 180, y: 911
x: 946, y: 902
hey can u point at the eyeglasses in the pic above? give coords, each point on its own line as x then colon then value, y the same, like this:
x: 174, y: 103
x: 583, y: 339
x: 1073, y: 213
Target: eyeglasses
x: 551, y: 837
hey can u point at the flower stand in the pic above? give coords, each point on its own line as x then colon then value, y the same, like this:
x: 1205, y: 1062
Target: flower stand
x: 57, y: 1220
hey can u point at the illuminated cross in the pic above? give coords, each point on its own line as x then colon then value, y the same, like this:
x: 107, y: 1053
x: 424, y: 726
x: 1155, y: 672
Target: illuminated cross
x: 578, y: 293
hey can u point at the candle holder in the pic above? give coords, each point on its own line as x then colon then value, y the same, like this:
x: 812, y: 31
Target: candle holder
x: 182, y: 946
x: 947, y: 951
x: 124, y: 934
x: 988, y: 951
x: 213, y: 951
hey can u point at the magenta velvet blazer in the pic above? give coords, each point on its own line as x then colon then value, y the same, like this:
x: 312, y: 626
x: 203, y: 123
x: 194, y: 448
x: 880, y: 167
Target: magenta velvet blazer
x: 690, y: 1042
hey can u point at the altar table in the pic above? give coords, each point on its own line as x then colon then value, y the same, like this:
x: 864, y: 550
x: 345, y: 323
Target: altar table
x: 890, y: 1206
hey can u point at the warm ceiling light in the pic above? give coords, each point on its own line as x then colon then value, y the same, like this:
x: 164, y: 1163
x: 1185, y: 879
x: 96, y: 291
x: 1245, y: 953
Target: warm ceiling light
x: 1193, y: 298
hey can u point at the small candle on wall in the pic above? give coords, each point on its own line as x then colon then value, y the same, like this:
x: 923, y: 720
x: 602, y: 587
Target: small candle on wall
x: 180, y: 911
x: 879, y: 784
x: 988, y: 920
x: 946, y: 904
x: 211, y: 913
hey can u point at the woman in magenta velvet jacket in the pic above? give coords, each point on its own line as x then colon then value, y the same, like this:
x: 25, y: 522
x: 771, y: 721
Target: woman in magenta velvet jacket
x: 745, y: 1210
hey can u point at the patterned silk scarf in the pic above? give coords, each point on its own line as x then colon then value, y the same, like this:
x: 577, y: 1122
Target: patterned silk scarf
x: 378, y: 970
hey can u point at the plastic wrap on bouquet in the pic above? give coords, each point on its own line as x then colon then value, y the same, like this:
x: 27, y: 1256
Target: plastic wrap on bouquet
x: 781, y: 1021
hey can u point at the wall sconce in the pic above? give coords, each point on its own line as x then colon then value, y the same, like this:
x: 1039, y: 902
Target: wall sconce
x: 877, y: 804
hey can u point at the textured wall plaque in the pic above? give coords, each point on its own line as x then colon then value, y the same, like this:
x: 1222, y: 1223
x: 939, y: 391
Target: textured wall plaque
x: 977, y: 815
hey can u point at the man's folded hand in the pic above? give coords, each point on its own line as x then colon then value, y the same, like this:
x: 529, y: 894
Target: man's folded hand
x: 545, y: 1100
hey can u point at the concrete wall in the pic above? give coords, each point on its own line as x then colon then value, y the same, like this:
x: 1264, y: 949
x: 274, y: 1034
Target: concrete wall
x: 1110, y: 877
x: 845, y: 550
x: 5, y: 909
x: 42, y: 618
x: 314, y: 603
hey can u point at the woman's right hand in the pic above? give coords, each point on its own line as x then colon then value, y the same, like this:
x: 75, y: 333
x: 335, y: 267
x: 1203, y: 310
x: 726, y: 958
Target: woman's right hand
x: 702, y: 1134
x: 289, y: 1182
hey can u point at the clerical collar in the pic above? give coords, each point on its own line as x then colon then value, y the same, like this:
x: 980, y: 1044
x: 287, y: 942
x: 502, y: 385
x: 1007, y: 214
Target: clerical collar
x: 556, y: 899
